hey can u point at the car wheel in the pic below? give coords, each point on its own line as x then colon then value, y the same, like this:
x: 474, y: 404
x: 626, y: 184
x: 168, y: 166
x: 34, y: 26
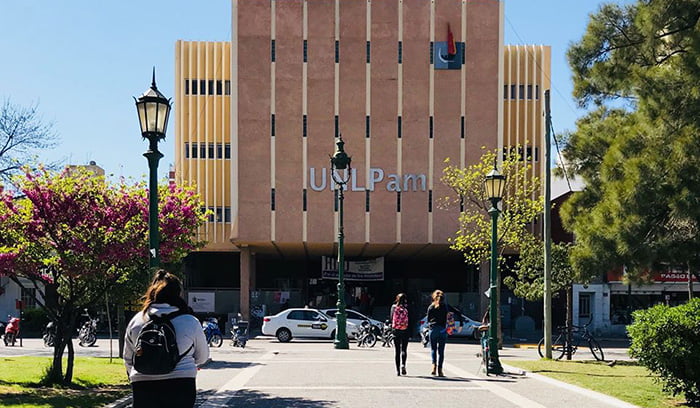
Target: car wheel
x: 284, y: 335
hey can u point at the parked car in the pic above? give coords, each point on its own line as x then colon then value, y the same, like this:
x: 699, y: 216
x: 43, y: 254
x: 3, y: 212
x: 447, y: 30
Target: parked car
x: 309, y: 323
x: 355, y: 318
x: 464, y: 326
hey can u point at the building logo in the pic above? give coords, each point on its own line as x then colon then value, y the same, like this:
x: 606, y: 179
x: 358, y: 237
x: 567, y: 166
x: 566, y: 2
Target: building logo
x: 393, y: 182
x: 448, y: 54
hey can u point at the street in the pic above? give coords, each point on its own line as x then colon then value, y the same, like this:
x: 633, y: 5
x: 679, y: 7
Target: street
x: 312, y: 374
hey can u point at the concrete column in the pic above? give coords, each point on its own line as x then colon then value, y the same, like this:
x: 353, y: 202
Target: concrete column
x: 246, y: 272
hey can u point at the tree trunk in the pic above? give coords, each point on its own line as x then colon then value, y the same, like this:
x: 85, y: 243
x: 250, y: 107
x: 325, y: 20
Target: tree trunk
x: 121, y: 327
x: 68, y: 379
x: 569, y: 318
x: 56, y: 369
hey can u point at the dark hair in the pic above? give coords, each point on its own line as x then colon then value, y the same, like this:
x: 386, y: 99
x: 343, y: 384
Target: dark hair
x: 165, y: 288
x: 438, y: 296
x: 401, y: 299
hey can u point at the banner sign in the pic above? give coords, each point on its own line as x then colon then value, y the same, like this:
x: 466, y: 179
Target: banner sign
x: 201, y: 301
x: 370, y: 270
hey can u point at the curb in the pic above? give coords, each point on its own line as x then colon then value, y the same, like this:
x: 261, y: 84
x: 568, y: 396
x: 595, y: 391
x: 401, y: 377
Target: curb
x: 120, y: 403
x: 612, y: 401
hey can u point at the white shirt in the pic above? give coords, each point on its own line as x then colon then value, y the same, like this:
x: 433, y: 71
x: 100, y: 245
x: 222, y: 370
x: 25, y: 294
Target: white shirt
x: 189, y: 333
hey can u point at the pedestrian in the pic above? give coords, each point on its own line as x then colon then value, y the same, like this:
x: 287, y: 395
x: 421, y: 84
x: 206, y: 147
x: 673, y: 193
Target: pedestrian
x: 437, y: 322
x: 399, y: 323
x: 177, y: 388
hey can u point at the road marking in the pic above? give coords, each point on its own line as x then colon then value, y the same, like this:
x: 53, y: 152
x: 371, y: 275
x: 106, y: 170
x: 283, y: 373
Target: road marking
x: 224, y: 394
x: 497, y: 390
x: 612, y: 401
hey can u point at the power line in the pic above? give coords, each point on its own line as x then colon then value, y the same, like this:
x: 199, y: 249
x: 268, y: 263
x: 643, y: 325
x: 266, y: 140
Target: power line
x: 561, y: 160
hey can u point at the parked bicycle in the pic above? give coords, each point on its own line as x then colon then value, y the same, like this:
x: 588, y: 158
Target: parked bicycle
x: 485, y: 353
x: 366, y: 334
x: 387, y: 336
x: 577, y: 334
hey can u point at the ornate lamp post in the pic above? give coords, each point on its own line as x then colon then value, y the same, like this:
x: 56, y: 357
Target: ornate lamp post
x: 340, y: 161
x: 494, y: 184
x: 153, y: 109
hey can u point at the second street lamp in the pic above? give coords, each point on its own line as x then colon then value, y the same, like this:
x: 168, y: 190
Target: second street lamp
x: 494, y: 185
x: 153, y: 109
x: 340, y: 161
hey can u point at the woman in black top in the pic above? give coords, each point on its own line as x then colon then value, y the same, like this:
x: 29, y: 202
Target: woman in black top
x: 437, y: 322
x: 400, y: 334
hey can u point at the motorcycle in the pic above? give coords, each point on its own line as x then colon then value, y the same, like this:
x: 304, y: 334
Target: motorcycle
x: 87, y: 334
x: 425, y: 336
x: 49, y: 335
x: 11, y: 331
x: 212, y: 332
x: 239, y: 332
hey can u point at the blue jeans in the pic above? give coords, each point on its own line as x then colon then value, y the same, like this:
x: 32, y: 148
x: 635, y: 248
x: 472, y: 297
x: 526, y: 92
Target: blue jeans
x: 438, y: 338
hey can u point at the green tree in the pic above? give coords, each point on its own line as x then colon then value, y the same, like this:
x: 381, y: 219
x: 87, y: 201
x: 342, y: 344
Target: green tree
x: 638, y: 150
x: 521, y: 204
x: 74, y: 237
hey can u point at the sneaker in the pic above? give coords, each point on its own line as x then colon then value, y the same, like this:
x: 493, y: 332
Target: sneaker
x: 403, y: 370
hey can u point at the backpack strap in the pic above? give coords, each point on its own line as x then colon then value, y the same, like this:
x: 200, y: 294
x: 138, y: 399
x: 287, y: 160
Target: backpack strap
x: 171, y: 316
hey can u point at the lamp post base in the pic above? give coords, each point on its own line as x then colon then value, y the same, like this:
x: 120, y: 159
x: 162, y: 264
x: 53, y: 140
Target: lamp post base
x: 341, y: 344
x: 494, y: 367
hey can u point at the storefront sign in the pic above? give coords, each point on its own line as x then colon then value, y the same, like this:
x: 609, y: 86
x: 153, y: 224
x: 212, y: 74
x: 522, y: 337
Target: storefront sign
x: 201, y: 301
x: 371, y: 270
x: 392, y: 182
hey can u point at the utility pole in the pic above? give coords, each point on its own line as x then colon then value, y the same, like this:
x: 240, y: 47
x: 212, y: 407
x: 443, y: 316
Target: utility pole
x: 547, y: 229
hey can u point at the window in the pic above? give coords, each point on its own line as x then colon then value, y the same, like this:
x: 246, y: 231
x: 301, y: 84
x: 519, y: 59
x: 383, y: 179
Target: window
x: 303, y: 200
x: 461, y: 124
x: 505, y: 91
x: 529, y: 92
x: 28, y: 298
x: 366, y: 200
x: 584, y: 305
x: 202, y: 86
x: 337, y: 130
x: 187, y: 150
x: 306, y: 48
x: 303, y: 126
x: 187, y: 86
x: 431, y: 53
x: 272, y: 125
x: 464, y: 52
x: 430, y: 124
x: 296, y: 315
x: 219, y: 214
x: 219, y: 150
x: 430, y: 201
x: 227, y: 214
x: 227, y: 87
x: 521, y: 89
x: 210, y: 87
x: 398, y: 201
x: 461, y: 203
x: 272, y: 199
x: 398, y: 125
x: 194, y: 87
x: 367, y: 126
x: 227, y: 151
x: 211, y: 151
x: 335, y: 200
x: 537, y: 92
x: 400, y: 52
x: 512, y: 91
x: 219, y: 87
x: 337, y: 51
x: 368, y: 51
x: 202, y: 151
x: 194, y: 150
x: 272, y: 50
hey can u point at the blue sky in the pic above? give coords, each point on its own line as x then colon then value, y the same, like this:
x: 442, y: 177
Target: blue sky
x: 82, y: 61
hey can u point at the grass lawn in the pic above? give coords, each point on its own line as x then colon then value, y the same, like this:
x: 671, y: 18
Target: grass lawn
x: 626, y: 380
x: 96, y: 382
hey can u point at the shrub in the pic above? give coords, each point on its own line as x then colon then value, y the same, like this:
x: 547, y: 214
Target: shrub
x: 666, y: 340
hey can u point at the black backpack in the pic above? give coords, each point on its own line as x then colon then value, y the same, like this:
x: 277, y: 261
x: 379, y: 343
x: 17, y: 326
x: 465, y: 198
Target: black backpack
x: 156, y: 346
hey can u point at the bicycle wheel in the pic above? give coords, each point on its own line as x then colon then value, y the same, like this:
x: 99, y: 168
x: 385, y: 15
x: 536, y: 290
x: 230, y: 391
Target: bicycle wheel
x: 370, y: 340
x: 596, y: 350
x: 558, y: 347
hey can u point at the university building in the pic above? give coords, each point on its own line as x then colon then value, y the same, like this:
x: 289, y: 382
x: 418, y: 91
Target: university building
x: 407, y: 83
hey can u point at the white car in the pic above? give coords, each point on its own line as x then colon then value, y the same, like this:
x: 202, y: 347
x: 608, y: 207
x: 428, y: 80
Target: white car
x: 354, y: 317
x: 299, y: 322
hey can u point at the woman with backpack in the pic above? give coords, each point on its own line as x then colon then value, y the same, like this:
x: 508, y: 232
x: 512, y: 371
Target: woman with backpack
x: 399, y: 322
x: 164, y: 376
x: 437, y: 322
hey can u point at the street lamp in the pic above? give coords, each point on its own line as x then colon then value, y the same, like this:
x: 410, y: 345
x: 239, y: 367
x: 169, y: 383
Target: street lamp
x: 153, y: 109
x: 340, y: 161
x: 494, y: 184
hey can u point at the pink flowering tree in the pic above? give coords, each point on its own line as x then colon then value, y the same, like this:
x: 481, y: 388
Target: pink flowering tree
x: 73, y: 236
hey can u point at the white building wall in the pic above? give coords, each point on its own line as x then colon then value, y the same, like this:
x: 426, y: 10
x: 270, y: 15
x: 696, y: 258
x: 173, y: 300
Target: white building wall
x: 600, y: 309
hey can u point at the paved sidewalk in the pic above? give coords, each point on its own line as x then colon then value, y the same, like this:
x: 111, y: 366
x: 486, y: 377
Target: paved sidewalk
x: 312, y: 374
